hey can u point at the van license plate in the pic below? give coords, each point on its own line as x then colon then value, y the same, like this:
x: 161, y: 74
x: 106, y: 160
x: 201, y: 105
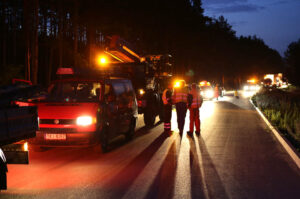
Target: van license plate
x: 55, y: 136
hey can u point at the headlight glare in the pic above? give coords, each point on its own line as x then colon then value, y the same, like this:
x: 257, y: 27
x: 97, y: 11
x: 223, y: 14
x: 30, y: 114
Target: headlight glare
x: 209, y: 94
x: 84, y: 120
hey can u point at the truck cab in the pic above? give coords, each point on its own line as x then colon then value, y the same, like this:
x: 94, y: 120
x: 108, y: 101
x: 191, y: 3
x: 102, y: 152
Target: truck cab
x: 82, y: 111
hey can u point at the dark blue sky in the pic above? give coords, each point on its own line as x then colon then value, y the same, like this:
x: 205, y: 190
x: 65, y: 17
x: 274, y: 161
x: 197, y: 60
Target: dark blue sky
x: 277, y: 22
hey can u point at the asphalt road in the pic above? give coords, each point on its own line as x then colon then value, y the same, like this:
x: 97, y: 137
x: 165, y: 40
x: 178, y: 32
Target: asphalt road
x: 236, y: 156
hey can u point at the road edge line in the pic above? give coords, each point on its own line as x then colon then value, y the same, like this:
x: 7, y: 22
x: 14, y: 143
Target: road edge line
x: 282, y: 141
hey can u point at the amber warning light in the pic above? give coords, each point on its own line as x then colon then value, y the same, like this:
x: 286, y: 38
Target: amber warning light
x: 102, y: 60
x: 65, y: 71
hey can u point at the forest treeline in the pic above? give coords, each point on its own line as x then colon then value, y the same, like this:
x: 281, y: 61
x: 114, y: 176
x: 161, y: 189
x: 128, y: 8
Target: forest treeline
x: 38, y: 36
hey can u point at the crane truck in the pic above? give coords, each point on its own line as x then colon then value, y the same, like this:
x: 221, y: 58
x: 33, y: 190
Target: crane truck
x: 149, y: 74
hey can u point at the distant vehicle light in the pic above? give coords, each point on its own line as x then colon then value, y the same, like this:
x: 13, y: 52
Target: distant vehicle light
x: 141, y: 91
x: 84, y: 120
x: 204, y: 83
x: 209, y: 94
x: 251, y: 81
x: 246, y: 88
x: 65, y: 71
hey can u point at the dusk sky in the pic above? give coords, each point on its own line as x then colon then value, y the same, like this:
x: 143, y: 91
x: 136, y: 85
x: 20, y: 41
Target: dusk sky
x: 277, y: 22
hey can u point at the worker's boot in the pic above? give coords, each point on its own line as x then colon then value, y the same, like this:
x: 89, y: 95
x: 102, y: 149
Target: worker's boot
x: 168, y: 132
x: 197, y: 133
x: 190, y: 133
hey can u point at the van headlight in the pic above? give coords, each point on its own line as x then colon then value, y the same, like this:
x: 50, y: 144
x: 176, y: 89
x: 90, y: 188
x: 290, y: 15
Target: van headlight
x: 84, y: 120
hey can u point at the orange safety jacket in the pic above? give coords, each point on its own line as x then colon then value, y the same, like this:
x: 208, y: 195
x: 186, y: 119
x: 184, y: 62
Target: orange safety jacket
x: 216, y: 91
x: 166, y: 97
x: 197, y: 99
x: 180, y: 95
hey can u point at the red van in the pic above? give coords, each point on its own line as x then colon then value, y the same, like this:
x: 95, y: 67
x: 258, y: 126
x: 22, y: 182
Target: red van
x: 81, y: 112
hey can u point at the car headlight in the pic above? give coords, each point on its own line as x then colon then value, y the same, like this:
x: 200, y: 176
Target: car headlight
x: 84, y: 120
x: 209, y: 94
x: 246, y: 88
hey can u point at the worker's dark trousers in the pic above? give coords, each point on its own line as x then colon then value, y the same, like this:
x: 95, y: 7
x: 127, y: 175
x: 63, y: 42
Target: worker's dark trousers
x: 168, y: 115
x: 181, y: 113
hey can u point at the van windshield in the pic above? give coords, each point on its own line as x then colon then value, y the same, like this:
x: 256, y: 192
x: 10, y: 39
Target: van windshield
x: 74, y: 91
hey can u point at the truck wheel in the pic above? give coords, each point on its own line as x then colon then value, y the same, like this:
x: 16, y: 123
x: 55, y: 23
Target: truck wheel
x: 130, y: 133
x: 149, y: 118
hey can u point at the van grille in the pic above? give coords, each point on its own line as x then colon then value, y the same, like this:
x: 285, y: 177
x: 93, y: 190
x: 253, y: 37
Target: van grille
x: 57, y: 121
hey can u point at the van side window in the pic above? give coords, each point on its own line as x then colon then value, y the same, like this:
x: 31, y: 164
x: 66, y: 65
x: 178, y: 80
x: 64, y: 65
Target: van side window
x: 119, y: 88
x: 129, y: 88
x: 130, y: 95
x: 90, y: 90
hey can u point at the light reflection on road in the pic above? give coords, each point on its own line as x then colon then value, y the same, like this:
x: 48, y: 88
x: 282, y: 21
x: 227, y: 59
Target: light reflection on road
x: 206, y: 111
x: 248, y: 94
x: 72, y: 170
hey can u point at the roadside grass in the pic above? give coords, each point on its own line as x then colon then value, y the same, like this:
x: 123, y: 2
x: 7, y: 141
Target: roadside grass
x: 282, y: 109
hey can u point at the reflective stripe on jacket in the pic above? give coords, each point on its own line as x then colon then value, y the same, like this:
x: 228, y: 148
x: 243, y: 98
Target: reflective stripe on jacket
x: 197, y: 99
x: 180, y: 95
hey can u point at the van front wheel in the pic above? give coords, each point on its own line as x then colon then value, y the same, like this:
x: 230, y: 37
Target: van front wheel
x: 130, y: 133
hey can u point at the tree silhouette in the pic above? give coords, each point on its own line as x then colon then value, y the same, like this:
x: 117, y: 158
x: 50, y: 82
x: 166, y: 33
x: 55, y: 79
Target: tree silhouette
x: 72, y: 32
x: 292, y: 58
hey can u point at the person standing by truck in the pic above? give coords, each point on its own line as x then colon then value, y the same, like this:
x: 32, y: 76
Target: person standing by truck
x: 180, y: 100
x: 217, y: 90
x: 167, y: 100
x: 194, y: 103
